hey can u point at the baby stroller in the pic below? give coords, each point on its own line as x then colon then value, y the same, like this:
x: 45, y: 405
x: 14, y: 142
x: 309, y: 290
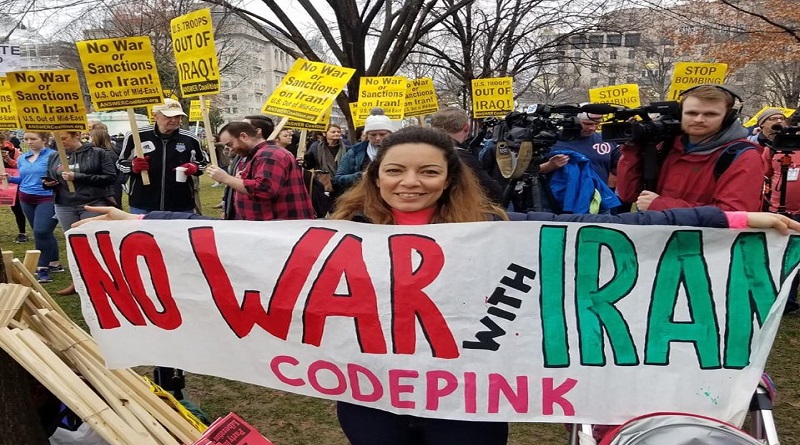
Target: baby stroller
x: 688, y: 429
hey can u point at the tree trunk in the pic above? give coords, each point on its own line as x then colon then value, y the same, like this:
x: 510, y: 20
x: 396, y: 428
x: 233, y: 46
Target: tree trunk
x: 19, y: 421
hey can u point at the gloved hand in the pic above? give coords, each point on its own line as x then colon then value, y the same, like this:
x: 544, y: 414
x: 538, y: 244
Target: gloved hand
x: 191, y: 168
x: 139, y: 165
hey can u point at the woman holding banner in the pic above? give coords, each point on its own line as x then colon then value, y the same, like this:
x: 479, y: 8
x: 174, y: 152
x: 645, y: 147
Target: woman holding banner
x: 417, y: 178
x: 37, y: 202
x: 91, y: 170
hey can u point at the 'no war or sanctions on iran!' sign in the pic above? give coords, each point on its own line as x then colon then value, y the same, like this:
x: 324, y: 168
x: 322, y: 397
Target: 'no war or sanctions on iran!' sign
x: 689, y: 74
x: 421, y: 97
x: 8, y: 109
x: 492, y: 97
x: 307, y: 91
x: 48, y: 100
x: 626, y: 95
x: 120, y: 73
x: 195, y: 53
x: 387, y: 92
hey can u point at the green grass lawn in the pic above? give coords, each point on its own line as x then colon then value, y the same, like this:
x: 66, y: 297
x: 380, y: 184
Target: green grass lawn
x: 289, y: 419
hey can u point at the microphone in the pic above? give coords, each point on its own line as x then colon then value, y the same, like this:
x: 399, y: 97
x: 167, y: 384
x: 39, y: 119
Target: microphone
x: 601, y: 108
x: 777, y: 127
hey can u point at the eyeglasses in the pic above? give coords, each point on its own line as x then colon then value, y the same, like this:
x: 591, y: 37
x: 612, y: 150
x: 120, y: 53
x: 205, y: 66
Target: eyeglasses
x: 776, y: 118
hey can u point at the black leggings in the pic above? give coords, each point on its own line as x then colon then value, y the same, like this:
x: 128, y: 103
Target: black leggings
x: 18, y: 215
x: 369, y: 426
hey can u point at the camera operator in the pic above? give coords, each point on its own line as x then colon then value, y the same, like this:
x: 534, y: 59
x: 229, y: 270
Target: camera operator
x: 771, y: 117
x: 690, y: 175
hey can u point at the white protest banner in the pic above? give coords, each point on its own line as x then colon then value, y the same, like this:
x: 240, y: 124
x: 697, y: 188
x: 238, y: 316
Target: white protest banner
x: 10, y: 58
x: 529, y: 321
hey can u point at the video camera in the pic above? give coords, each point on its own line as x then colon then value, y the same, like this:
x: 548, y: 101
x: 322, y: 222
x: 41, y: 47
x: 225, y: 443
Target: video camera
x: 541, y: 124
x: 620, y: 129
x: 786, y: 139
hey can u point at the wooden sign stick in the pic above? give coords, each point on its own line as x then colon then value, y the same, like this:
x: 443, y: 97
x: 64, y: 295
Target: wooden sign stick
x: 278, y: 129
x: 212, y: 153
x: 62, y: 155
x: 137, y: 144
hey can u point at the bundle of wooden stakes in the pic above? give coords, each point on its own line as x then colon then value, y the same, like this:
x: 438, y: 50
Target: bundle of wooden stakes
x: 117, y: 404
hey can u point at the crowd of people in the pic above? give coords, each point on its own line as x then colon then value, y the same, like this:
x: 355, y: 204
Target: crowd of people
x: 411, y: 176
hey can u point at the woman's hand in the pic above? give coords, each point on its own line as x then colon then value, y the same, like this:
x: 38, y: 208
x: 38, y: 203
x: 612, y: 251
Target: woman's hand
x: 68, y: 176
x: 763, y: 220
x: 108, y: 214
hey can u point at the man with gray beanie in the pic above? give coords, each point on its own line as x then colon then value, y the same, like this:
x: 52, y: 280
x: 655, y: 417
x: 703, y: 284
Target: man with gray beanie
x: 768, y: 119
x: 376, y: 127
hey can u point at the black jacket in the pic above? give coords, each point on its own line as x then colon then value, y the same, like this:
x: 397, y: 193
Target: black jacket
x: 94, y: 172
x: 166, y: 152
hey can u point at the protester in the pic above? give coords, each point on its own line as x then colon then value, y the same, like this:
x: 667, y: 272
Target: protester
x: 455, y: 122
x: 326, y: 155
x: 37, y: 202
x: 91, y: 172
x: 166, y: 147
x: 267, y: 183
x: 284, y: 138
x: 99, y: 137
x: 417, y: 178
x: 692, y: 172
x: 11, y: 156
x: 356, y: 159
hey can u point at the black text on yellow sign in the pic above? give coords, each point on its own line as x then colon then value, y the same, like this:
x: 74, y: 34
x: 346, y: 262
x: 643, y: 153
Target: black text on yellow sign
x: 492, y: 97
x: 120, y: 73
x: 307, y: 90
x: 387, y: 92
x: 195, y: 53
x: 8, y: 111
x: 48, y: 100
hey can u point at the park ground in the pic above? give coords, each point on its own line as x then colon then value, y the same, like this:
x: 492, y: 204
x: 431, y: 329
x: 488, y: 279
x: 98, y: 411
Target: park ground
x: 289, y: 419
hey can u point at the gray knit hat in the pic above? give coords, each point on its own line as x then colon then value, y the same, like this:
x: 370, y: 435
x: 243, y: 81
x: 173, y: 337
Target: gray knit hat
x: 769, y: 112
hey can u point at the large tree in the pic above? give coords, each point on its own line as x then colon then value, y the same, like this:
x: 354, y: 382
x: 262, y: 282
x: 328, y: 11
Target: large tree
x: 373, y: 37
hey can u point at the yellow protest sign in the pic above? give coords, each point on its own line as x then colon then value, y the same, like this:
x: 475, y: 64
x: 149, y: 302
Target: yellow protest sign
x: 689, y: 74
x: 48, y: 100
x: 120, y: 73
x: 754, y: 120
x: 195, y: 112
x: 8, y: 110
x: 492, y: 97
x: 195, y: 53
x: 357, y: 121
x: 307, y: 91
x: 626, y: 95
x: 387, y: 92
x: 322, y: 125
x: 421, y: 97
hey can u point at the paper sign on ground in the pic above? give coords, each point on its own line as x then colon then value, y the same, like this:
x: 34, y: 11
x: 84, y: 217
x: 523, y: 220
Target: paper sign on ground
x: 120, y: 73
x: 48, y: 100
x: 688, y: 74
x: 307, y: 91
x: 492, y: 97
x: 421, y: 97
x: 8, y: 110
x: 626, y: 95
x: 232, y: 430
x: 195, y: 53
x: 529, y: 321
x: 10, y: 58
x: 387, y: 92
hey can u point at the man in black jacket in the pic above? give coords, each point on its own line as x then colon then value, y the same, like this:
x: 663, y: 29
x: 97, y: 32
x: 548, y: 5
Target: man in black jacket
x: 166, y: 148
x: 455, y: 122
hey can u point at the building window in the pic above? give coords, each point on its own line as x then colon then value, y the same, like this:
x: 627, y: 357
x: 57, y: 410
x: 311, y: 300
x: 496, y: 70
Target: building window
x: 614, y: 40
x: 595, y: 55
x: 668, y: 52
x: 632, y: 40
x: 593, y: 82
x: 596, y: 41
x: 595, y: 70
x: 612, y: 69
x: 612, y: 80
x: 631, y: 54
x: 612, y: 55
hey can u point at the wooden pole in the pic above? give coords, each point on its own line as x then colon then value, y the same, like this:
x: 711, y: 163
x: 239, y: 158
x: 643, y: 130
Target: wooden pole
x: 301, y: 144
x: 137, y: 144
x: 212, y: 153
x: 278, y: 129
x: 62, y: 155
